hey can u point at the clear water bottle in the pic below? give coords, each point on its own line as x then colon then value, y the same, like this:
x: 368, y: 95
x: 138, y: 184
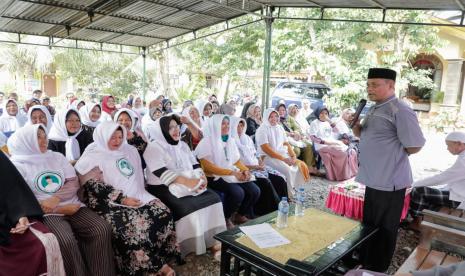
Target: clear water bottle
x: 299, y: 205
x: 283, y: 213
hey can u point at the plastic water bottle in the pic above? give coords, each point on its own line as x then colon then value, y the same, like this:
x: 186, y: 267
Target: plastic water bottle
x: 283, y: 212
x: 299, y: 205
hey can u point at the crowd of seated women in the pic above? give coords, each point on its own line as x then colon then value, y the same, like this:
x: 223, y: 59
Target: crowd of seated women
x: 101, y: 190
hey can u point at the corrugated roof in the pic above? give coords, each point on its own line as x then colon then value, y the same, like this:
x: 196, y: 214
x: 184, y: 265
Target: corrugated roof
x: 146, y: 22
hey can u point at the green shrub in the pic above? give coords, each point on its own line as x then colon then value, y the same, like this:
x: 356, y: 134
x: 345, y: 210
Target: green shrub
x: 449, y: 120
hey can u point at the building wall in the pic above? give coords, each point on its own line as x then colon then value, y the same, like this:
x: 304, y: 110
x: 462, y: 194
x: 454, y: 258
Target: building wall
x: 452, y: 54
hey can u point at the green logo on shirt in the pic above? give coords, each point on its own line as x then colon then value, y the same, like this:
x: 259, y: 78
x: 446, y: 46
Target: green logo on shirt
x: 125, y: 167
x: 49, y: 182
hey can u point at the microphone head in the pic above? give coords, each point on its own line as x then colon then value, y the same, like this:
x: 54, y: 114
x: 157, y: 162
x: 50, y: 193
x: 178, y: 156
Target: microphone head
x: 361, y: 105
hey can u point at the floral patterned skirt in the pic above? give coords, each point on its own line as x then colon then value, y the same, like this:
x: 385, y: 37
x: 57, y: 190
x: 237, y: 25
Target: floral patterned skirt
x: 144, y: 238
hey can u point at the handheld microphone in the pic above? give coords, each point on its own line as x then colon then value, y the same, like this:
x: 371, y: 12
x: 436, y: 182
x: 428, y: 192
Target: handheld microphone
x: 360, y: 107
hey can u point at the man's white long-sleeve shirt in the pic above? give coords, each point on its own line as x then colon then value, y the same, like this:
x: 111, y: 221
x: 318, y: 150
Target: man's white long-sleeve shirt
x: 454, y: 177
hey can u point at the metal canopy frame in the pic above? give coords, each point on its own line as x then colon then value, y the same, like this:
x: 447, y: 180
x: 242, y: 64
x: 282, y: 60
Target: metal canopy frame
x: 154, y: 23
x: 151, y: 25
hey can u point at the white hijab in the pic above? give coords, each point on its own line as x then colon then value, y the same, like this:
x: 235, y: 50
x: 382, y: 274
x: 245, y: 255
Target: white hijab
x: 8, y: 122
x: 85, y: 114
x: 135, y: 121
x: 58, y: 132
x: 122, y: 168
x: 35, y: 165
x: 275, y: 136
x: 200, y: 105
x: 186, y: 113
x: 244, y: 142
x: 139, y: 110
x: 148, y: 124
x: 212, y: 147
x: 131, y: 114
x: 45, y: 111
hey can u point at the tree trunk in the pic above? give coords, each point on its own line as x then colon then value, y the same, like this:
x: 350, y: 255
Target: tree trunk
x: 163, y: 61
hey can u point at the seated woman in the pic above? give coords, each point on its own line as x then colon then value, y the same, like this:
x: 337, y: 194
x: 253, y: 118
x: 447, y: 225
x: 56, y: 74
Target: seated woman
x: 66, y: 135
x: 39, y: 114
x: 111, y: 174
x: 128, y: 119
x: 272, y: 142
x: 205, y: 109
x: 215, y: 106
x: 153, y: 113
x: 296, y: 121
x: 220, y: 160
x: 23, y: 238
x: 84, y: 237
x: 11, y: 120
x: 77, y: 104
x: 272, y: 183
x: 340, y: 161
x: 90, y: 116
x: 108, y: 108
x: 139, y: 106
x: 451, y: 195
x: 253, y: 119
x: 301, y: 145
x: 166, y: 106
x: 227, y: 109
x: 174, y: 176
x: 193, y: 122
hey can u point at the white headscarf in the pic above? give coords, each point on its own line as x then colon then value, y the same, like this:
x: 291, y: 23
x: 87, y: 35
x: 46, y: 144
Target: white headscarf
x: 122, y: 168
x: 244, y: 142
x: 131, y: 114
x: 85, y: 111
x: 74, y: 104
x: 44, y: 109
x: 139, y: 110
x: 8, y: 122
x: 212, y: 147
x: 456, y: 136
x: 135, y: 125
x: 275, y: 136
x: 200, y: 104
x: 35, y: 166
x: 58, y: 132
x: 186, y: 113
x: 148, y: 124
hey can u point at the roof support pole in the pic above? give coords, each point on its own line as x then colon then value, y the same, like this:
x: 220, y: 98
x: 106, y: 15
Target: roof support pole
x: 144, y: 72
x: 267, y: 58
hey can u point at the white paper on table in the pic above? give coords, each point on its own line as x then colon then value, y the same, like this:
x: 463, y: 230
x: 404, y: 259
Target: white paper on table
x: 366, y: 274
x: 264, y: 236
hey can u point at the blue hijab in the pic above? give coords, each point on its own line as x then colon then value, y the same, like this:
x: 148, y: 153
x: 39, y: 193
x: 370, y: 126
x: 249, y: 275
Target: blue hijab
x: 320, y: 109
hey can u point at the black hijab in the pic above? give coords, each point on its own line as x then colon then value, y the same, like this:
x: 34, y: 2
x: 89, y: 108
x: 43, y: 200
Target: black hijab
x: 16, y: 199
x: 165, y: 127
x: 245, y: 109
x: 320, y: 109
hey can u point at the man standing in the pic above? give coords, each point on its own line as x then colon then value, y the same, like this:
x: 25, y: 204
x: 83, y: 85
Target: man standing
x: 388, y: 135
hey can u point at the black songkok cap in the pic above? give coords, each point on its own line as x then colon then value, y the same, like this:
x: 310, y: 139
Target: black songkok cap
x: 382, y: 73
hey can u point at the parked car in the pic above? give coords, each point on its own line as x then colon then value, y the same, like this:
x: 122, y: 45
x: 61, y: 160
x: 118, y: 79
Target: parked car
x: 295, y: 92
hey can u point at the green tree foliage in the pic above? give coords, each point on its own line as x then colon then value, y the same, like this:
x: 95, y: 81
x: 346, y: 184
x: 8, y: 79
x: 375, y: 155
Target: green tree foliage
x: 110, y: 73
x: 225, y: 55
x: 338, y: 53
